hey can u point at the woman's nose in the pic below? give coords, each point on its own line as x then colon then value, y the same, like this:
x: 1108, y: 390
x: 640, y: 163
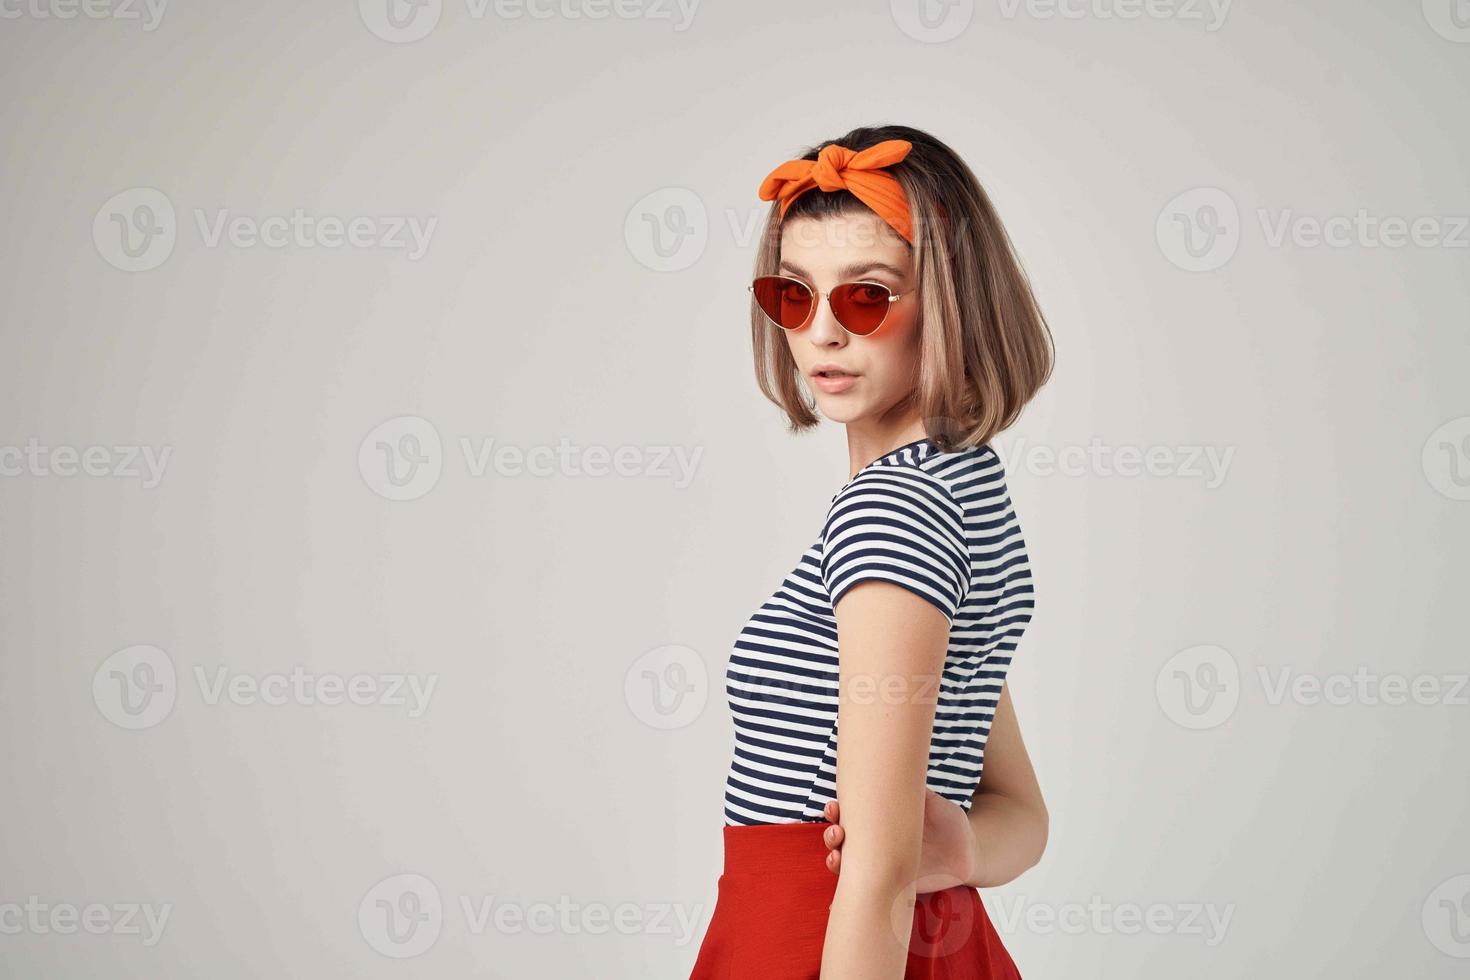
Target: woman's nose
x: 825, y: 330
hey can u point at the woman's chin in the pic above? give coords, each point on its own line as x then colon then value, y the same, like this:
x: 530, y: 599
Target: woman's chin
x: 839, y: 408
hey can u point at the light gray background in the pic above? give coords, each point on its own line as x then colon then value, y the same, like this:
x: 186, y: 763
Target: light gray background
x: 592, y: 186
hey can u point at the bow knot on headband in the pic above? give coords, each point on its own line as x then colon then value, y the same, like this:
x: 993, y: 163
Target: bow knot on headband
x: 859, y: 171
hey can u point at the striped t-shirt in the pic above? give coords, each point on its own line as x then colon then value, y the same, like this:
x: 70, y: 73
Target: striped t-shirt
x: 937, y: 523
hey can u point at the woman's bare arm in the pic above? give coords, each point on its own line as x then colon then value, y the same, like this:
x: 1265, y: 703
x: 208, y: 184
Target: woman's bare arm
x: 1008, y: 817
x: 892, y: 645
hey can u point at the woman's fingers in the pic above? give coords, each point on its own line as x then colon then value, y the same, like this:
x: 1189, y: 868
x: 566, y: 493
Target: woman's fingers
x: 832, y: 837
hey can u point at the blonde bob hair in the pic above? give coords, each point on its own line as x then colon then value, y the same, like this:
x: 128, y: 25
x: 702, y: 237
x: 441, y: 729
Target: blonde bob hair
x: 985, y: 348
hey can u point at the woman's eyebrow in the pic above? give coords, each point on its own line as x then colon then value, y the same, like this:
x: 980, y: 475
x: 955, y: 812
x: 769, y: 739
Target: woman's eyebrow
x: 851, y: 271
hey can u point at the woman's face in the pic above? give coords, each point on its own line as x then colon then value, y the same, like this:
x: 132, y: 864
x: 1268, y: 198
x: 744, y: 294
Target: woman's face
x: 881, y: 369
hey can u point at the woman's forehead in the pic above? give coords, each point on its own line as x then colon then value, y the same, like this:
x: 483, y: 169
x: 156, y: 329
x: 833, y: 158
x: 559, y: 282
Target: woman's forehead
x: 839, y: 240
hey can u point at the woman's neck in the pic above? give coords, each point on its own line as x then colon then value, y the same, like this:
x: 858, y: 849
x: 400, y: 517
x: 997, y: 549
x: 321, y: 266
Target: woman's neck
x: 867, y: 444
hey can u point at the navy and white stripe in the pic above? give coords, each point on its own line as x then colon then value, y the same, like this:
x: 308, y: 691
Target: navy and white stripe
x: 939, y: 524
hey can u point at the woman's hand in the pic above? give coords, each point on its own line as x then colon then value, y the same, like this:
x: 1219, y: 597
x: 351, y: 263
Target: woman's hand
x: 947, y: 856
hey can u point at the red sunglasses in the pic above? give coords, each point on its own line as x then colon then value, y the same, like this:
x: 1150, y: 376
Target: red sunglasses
x: 860, y: 307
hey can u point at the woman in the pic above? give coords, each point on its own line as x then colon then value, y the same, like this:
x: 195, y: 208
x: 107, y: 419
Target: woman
x: 887, y: 286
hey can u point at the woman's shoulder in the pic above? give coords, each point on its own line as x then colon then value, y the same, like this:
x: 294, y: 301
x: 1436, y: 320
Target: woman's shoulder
x: 968, y: 475
x: 909, y: 470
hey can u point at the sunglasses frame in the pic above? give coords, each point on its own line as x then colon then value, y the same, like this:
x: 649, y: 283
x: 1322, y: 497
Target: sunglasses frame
x: 892, y: 298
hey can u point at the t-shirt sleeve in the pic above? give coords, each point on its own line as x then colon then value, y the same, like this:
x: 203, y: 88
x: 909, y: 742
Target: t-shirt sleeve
x: 898, y: 524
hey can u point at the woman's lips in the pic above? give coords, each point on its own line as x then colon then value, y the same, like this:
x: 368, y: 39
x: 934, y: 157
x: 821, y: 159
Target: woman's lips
x: 833, y: 384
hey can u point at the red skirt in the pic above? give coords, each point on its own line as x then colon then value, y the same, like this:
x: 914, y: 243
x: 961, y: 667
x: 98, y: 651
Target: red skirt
x: 770, y: 917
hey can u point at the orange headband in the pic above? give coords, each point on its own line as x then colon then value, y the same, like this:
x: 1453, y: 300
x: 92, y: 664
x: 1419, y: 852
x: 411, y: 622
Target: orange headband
x: 838, y: 168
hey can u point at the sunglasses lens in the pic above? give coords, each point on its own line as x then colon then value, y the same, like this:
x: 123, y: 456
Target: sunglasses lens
x: 861, y: 307
x: 787, y: 302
